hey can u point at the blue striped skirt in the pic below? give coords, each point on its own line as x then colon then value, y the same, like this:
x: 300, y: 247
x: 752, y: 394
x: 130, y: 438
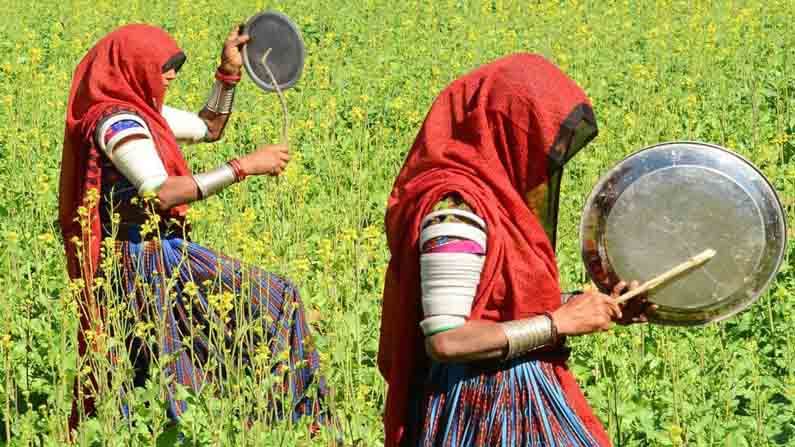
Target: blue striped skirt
x: 211, y: 308
x: 517, y: 403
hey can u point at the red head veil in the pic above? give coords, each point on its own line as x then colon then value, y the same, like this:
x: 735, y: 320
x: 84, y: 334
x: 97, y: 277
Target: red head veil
x: 492, y: 136
x: 124, y: 70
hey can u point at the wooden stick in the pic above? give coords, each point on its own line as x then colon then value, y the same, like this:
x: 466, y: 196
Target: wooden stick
x: 282, y: 100
x: 691, y: 263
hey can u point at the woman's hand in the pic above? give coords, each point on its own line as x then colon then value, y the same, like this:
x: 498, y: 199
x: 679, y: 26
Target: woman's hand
x: 586, y: 313
x: 269, y: 159
x: 593, y: 311
x: 634, y: 310
x: 231, y: 57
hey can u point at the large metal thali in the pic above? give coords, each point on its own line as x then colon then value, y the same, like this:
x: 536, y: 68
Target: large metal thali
x: 666, y: 203
x: 276, y: 41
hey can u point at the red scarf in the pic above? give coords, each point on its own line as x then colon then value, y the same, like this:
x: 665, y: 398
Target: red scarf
x: 487, y: 137
x: 123, y: 70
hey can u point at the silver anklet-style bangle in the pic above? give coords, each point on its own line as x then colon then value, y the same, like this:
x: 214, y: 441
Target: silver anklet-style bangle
x: 211, y: 182
x: 221, y: 98
x: 527, y: 335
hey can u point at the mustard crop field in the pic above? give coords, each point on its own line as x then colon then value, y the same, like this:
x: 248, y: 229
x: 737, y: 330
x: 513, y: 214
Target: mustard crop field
x: 715, y: 71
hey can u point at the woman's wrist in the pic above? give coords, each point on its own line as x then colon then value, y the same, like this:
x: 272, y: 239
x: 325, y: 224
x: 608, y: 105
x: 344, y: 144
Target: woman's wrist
x: 237, y: 167
x: 228, y: 75
x: 243, y: 162
x: 222, y: 95
x: 560, y: 323
x: 528, y: 335
x: 554, y: 335
x: 230, y: 71
x: 212, y: 182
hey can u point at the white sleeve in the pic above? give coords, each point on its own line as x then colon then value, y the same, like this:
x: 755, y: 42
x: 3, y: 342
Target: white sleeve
x: 137, y: 159
x: 188, y: 127
x: 449, y: 279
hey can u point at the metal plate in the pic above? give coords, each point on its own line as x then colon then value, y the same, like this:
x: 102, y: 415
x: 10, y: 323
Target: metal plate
x: 664, y: 204
x: 276, y: 31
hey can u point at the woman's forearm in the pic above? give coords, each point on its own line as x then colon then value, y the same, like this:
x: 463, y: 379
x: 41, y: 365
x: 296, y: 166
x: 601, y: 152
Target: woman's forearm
x: 216, y: 123
x: 218, y: 108
x: 475, y: 340
x: 177, y: 190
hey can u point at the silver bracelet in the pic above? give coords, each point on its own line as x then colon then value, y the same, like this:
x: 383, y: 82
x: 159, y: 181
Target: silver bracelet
x: 221, y: 98
x: 527, y: 335
x: 211, y: 182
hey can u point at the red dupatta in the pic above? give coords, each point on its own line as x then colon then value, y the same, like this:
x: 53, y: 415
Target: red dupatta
x: 123, y: 70
x: 492, y: 136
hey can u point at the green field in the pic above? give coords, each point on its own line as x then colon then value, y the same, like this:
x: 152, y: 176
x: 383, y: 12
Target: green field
x: 722, y: 72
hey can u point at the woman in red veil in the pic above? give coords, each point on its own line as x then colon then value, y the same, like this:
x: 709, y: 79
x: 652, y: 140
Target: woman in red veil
x: 473, y: 323
x: 121, y: 148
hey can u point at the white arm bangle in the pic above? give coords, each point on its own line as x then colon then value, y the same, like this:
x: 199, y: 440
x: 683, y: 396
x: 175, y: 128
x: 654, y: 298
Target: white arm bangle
x: 125, y: 139
x: 139, y: 162
x: 449, y: 282
x: 455, y: 212
x: 212, y: 182
x: 187, y: 126
x: 459, y: 230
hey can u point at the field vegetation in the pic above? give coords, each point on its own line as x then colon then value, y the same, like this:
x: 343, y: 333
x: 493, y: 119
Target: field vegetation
x: 716, y: 71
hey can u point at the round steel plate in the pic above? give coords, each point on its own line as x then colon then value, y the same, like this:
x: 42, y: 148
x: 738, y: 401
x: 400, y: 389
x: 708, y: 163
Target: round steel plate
x: 275, y: 31
x: 664, y: 204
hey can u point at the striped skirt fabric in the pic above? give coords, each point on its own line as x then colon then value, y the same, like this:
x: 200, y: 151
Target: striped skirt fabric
x: 188, y: 289
x: 518, y: 403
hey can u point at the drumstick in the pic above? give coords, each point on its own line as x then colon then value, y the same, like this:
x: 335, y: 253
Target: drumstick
x: 693, y: 262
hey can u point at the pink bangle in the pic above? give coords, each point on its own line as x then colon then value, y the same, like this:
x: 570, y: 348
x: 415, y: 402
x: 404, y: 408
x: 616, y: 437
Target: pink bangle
x: 227, y: 78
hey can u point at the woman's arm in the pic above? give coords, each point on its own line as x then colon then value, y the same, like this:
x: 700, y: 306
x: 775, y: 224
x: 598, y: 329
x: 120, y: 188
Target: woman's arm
x: 475, y: 340
x: 208, y: 125
x: 453, y: 241
x: 178, y: 190
x: 453, y: 247
x: 215, y: 122
x: 125, y: 139
x: 482, y: 340
x: 219, y: 106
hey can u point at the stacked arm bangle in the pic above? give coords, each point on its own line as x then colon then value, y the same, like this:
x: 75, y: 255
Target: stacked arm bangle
x: 529, y: 334
x: 212, y: 182
x: 222, y: 96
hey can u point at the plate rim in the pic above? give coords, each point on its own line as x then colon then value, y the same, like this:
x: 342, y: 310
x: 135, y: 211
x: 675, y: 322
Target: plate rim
x: 247, y: 64
x: 598, y: 187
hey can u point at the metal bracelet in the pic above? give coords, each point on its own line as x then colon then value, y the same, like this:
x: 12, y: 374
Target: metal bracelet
x: 211, y: 182
x: 221, y: 98
x: 527, y: 335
